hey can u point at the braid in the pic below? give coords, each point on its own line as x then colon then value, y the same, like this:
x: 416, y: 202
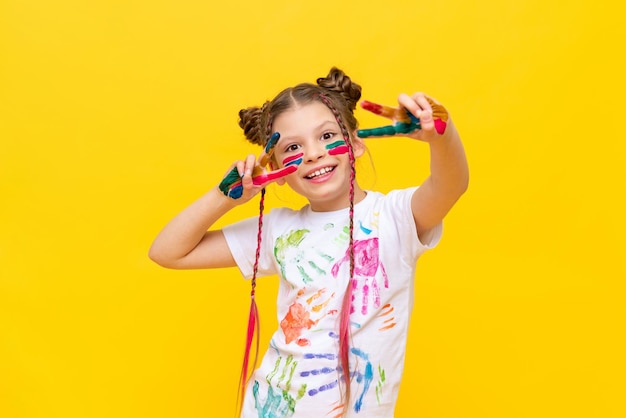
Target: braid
x: 254, y: 322
x: 257, y: 254
x: 346, y: 306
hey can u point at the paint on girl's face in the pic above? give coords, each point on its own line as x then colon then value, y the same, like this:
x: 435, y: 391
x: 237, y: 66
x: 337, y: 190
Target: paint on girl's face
x: 293, y: 160
x: 337, y: 148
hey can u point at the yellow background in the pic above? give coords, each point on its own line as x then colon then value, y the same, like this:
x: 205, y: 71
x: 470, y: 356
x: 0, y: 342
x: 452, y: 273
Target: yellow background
x: 116, y: 114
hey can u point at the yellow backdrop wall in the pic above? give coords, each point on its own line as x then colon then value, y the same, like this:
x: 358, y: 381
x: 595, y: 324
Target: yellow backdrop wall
x: 116, y: 114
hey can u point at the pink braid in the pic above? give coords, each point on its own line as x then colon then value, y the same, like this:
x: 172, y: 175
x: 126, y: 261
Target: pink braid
x: 346, y: 306
x: 254, y: 319
x: 254, y: 323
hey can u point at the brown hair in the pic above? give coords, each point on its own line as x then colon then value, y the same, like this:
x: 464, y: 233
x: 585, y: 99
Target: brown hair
x: 341, y: 91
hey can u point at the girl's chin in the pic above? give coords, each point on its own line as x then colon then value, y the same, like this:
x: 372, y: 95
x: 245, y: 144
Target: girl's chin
x: 328, y: 202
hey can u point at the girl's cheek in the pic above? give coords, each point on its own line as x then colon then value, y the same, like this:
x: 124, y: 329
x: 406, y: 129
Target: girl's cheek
x: 293, y: 160
x: 337, y: 148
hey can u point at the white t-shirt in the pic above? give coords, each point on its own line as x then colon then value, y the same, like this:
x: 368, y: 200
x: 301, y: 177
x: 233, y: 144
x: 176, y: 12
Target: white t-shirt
x: 298, y: 376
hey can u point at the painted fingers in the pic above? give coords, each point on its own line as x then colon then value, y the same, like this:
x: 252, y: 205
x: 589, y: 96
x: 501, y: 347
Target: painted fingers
x: 265, y: 157
x: 234, y: 183
x: 404, y: 121
x: 290, y: 165
x: 404, y: 117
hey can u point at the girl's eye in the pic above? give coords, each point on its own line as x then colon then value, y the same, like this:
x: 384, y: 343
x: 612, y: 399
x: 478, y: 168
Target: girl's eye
x: 327, y: 135
x: 292, y: 147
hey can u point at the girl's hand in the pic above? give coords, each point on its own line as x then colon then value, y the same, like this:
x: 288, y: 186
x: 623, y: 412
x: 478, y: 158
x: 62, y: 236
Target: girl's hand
x: 418, y: 116
x: 247, y: 178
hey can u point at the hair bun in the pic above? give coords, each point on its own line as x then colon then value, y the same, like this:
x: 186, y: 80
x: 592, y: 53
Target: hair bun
x: 250, y: 122
x: 338, y: 82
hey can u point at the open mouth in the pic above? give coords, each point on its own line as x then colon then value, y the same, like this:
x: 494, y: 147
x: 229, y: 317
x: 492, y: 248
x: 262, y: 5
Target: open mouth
x: 319, y: 172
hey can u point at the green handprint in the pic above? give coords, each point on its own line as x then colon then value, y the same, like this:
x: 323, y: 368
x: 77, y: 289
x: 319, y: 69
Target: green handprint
x: 278, y: 402
x: 304, y: 262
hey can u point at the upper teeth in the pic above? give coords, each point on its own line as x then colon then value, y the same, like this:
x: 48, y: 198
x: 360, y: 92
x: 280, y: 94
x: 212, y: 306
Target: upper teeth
x: 319, y: 172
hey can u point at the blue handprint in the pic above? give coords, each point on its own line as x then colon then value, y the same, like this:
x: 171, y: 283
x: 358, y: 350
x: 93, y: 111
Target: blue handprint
x: 363, y: 373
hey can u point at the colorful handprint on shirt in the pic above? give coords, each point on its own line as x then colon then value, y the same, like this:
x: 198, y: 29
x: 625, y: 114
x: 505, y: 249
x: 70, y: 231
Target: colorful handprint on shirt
x: 298, y: 317
x: 309, y: 263
x: 369, y: 274
x: 297, y: 320
x: 363, y: 375
x: 278, y: 402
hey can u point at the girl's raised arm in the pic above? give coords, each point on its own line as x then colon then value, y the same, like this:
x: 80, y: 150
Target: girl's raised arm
x: 421, y: 117
x: 186, y: 241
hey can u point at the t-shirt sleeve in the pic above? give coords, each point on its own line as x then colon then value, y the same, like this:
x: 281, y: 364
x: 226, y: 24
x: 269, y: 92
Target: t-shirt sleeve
x: 400, y: 201
x: 242, y: 238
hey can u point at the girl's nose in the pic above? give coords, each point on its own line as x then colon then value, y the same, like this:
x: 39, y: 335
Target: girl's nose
x: 314, y: 152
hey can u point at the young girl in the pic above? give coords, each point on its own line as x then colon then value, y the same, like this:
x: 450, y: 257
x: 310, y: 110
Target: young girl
x: 346, y: 261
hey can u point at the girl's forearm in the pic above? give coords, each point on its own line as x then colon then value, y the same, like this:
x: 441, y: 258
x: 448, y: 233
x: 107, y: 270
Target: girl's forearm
x: 185, y: 231
x: 448, y: 180
x: 448, y: 165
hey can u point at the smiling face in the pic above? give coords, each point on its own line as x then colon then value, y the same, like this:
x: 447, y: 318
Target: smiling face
x: 323, y: 177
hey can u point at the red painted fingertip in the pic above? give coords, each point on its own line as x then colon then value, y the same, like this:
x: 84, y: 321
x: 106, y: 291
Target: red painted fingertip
x: 372, y: 107
x: 440, y: 126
